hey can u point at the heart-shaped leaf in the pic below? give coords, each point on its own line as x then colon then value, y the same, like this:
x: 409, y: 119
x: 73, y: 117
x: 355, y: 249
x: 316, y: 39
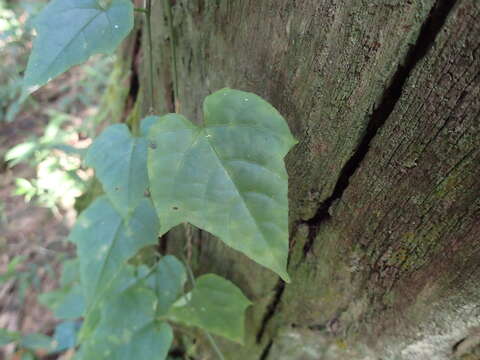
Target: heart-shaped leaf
x: 120, y: 163
x: 227, y: 177
x: 70, y: 31
x: 105, y: 242
x: 215, y: 305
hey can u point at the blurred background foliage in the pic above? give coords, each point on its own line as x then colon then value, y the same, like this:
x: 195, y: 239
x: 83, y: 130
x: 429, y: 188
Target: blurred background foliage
x: 42, y: 176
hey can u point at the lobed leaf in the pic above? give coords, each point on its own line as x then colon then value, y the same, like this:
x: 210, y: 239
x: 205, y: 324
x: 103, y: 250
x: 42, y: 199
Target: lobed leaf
x: 227, y: 177
x: 70, y: 31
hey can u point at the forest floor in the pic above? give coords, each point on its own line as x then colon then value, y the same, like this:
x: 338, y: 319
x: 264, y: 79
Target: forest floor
x: 31, y: 235
x: 36, y: 196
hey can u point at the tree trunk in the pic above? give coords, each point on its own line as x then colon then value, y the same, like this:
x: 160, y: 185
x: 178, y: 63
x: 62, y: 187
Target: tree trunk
x: 383, y: 97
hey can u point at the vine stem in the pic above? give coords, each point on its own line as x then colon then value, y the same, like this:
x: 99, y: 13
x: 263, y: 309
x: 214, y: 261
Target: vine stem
x: 209, y: 337
x: 148, y: 14
x: 173, y: 54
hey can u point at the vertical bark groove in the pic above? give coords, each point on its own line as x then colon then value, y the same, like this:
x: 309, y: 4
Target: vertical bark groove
x: 266, y: 351
x: 425, y: 40
x: 271, y: 309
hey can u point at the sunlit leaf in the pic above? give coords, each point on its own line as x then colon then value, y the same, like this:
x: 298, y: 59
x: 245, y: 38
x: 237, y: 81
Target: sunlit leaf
x: 105, y: 242
x: 21, y: 152
x: 70, y: 31
x: 227, y: 177
x: 216, y: 305
x: 120, y: 163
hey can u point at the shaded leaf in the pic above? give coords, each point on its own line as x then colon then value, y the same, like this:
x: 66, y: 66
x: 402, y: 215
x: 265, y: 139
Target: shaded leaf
x: 168, y: 281
x: 70, y: 31
x: 72, y: 305
x: 66, y: 335
x: 105, y: 242
x: 127, y: 329
x: 7, y: 337
x: 120, y: 163
x: 37, y: 341
x: 227, y: 177
x: 70, y: 271
x: 215, y: 305
x: 66, y: 303
x: 147, y: 123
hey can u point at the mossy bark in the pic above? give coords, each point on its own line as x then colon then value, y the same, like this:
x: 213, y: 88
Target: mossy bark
x: 384, y: 183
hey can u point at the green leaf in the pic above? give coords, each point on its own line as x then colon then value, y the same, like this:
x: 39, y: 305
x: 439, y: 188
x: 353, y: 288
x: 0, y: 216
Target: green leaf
x: 120, y: 163
x: 146, y: 123
x: 72, y: 305
x: 127, y: 329
x: 70, y: 272
x: 216, y: 305
x: 150, y: 342
x: 66, y: 335
x: 168, y: 281
x: 66, y: 303
x: 21, y: 152
x: 7, y: 337
x: 69, y: 32
x: 27, y: 356
x: 105, y: 242
x: 227, y: 177
x: 37, y: 341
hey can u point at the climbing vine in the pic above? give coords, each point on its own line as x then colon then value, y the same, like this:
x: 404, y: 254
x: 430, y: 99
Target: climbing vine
x: 226, y: 177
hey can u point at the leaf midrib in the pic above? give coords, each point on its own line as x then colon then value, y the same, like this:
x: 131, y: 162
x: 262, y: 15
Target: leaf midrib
x: 244, y: 202
x: 100, y: 12
x: 107, y: 256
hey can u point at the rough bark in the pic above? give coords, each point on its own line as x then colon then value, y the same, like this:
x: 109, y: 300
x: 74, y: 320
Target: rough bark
x: 384, y: 192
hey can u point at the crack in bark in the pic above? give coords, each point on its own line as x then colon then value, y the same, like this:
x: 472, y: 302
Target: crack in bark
x: 266, y: 351
x: 390, y: 97
x: 425, y: 40
x: 279, y: 289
